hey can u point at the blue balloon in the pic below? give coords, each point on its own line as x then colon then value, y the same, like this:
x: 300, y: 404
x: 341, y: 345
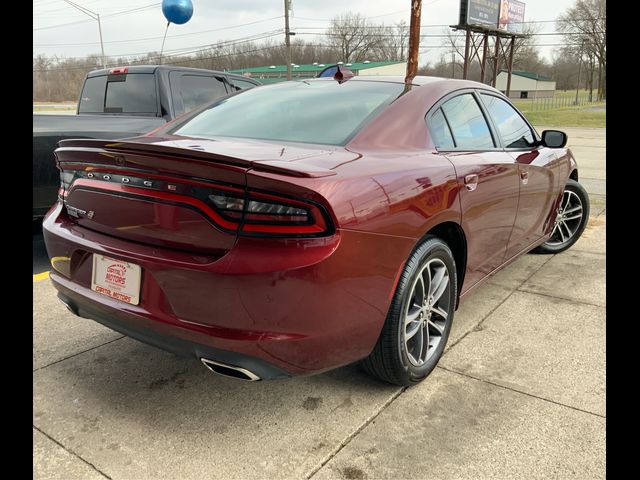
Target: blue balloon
x: 177, y: 11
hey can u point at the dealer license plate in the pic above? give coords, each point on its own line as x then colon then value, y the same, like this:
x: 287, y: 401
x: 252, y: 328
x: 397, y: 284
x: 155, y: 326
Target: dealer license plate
x: 116, y: 279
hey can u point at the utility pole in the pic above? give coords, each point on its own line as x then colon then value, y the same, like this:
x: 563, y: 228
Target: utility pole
x: 287, y: 39
x: 453, y: 64
x: 414, y: 41
x: 510, y: 65
x: 579, y: 71
x: 95, y: 16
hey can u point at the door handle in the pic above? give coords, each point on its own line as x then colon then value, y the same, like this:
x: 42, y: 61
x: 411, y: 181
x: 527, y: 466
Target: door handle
x: 471, y: 182
x: 524, y: 176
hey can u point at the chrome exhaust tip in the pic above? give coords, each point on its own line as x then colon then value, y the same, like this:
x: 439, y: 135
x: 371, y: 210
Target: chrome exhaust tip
x: 230, y: 370
x: 70, y: 307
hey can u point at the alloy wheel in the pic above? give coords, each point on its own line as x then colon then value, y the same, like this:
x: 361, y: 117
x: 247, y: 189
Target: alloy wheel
x: 568, y: 218
x: 426, y: 312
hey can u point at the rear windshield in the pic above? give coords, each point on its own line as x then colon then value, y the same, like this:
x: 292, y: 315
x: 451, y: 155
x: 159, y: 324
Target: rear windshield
x: 133, y: 93
x: 321, y: 111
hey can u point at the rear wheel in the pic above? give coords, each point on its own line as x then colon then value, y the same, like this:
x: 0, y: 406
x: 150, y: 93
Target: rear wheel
x: 571, y: 219
x: 417, y: 326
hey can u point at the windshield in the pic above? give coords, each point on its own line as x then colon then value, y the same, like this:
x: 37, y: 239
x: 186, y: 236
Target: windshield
x: 322, y: 111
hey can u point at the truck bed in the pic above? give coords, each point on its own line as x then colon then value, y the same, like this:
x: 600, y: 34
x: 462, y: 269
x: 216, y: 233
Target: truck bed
x: 49, y: 129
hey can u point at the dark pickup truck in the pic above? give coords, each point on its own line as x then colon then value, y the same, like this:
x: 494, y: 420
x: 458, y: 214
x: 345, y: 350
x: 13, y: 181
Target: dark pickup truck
x: 120, y: 103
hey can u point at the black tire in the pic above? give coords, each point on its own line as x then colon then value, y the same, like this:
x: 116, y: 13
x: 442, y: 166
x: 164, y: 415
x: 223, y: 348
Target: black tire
x: 37, y: 225
x: 556, y: 244
x: 390, y: 360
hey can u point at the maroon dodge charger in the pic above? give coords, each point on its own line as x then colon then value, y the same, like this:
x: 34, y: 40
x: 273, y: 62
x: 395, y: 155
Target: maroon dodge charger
x: 294, y: 228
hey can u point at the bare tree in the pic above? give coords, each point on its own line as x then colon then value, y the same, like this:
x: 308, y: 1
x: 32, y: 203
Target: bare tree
x: 453, y: 42
x: 526, y: 55
x: 354, y: 37
x: 586, y: 24
x: 398, y: 44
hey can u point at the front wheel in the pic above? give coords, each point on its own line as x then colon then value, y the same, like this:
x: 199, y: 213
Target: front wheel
x: 571, y: 219
x: 417, y: 326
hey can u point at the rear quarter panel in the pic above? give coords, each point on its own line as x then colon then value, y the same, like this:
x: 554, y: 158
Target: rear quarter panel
x: 382, y: 205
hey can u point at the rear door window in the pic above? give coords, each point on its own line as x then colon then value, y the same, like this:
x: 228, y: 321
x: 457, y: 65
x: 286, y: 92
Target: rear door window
x: 241, y: 84
x: 468, y: 125
x: 191, y: 91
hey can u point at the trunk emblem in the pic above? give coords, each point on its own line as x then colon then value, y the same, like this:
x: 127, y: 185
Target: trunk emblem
x: 77, y: 212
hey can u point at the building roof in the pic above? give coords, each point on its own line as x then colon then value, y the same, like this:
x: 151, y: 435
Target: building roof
x: 530, y: 75
x: 313, y: 68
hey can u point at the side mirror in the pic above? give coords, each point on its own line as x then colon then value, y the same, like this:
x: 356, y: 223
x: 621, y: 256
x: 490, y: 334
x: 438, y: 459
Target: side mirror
x: 554, y: 139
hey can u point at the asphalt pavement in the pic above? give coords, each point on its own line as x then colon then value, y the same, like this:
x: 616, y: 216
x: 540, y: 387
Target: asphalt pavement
x: 519, y: 392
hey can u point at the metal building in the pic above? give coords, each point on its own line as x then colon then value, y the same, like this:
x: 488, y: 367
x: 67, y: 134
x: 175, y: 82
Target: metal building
x: 278, y: 73
x: 526, y: 84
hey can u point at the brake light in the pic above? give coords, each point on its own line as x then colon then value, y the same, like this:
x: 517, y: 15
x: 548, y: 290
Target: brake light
x: 231, y: 208
x: 264, y: 214
x: 118, y: 71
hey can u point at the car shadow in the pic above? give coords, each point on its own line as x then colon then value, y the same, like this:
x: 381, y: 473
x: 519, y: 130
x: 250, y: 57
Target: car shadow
x: 159, y: 389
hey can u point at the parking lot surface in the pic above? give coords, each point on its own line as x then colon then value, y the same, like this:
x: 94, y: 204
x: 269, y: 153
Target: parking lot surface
x: 519, y: 392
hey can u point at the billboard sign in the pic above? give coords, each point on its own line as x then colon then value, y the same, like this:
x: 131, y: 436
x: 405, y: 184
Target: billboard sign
x: 479, y: 12
x: 507, y: 15
x: 511, y: 16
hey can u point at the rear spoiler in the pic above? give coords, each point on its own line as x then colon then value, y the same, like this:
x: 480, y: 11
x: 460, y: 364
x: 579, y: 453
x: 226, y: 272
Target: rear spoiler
x: 295, y: 169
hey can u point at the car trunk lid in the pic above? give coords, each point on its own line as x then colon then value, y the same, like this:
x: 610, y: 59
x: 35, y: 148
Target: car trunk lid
x: 161, y: 191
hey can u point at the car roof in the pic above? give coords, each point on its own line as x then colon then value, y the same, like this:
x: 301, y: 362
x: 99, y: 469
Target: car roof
x: 418, y: 80
x: 153, y: 68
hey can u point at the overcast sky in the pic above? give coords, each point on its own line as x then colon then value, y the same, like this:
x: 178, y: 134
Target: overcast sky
x: 139, y: 32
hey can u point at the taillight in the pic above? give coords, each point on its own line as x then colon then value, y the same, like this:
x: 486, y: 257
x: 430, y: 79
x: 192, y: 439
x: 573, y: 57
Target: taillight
x: 270, y: 215
x: 231, y: 208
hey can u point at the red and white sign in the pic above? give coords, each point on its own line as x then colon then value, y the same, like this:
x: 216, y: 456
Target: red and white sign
x: 116, y: 279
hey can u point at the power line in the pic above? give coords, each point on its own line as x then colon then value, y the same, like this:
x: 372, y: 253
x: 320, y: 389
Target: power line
x: 208, y: 57
x: 111, y: 15
x: 159, y: 37
x: 449, y: 25
x: 392, y: 35
x: 407, y: 11
x: 198, y: 48
x: 201, y: 48
x: 175, y: 62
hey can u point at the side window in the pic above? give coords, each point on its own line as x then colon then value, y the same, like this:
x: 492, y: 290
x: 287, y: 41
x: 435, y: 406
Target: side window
x: 195, y: 90
x: 440, y: 131
x: 513, y: 130
x: 468, y: 125
x: 241, y: 84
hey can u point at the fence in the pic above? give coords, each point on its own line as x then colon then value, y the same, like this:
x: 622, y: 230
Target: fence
x: 560, y: 100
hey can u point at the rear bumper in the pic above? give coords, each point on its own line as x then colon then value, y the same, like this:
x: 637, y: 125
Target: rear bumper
x: 278, y: 307
x: 169, y: 343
